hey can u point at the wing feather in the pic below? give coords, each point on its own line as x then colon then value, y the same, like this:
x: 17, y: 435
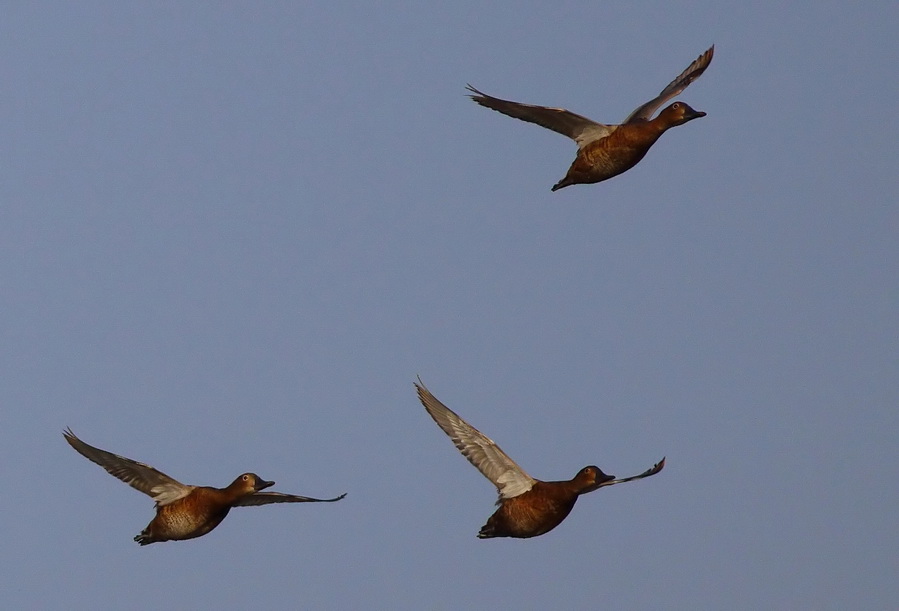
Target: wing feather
x: 580, y: 129
x: 693, y: 72
x: 265, y: 498
x: 481, y: 451
x: 152, y: 482
x: 651, y: 471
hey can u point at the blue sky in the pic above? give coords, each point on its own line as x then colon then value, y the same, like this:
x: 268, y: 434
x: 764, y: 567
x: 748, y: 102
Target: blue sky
x: 231, y: 236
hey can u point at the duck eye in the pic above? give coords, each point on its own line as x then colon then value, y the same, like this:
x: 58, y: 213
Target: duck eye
x: 676, y: 105
x: 246, y: 478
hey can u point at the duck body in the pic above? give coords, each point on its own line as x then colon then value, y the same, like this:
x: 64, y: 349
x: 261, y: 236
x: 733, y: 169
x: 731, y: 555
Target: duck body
x: 182, y: 511
x: 605, y: 151
x: 615, y: 154
x: 526, y: 507
x: 199, y: 512
x: 623, y: 148
x: 535, y: 512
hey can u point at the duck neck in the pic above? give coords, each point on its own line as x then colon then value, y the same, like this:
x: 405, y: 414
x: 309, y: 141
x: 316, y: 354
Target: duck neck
x: 659, y: 125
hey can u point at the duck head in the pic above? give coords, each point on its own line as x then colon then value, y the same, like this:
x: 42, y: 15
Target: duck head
x: 591, y: 478
x: 679, y: 113
x: 250, y: 482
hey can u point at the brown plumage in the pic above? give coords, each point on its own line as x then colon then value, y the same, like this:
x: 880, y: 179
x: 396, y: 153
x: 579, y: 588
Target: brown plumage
x: 527, y: 507
x: 184, y: 512
x: 605, y: 151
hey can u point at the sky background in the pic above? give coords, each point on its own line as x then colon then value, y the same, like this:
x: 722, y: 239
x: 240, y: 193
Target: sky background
x: 232, y: 234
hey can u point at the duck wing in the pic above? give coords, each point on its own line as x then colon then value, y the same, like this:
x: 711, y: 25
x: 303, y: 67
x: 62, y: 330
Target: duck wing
x: 162, y: 488
x: 580, y: 129
x: 693, y: 72
x: 265, y: 498
x: 651, y: 471
x: 510, y: 479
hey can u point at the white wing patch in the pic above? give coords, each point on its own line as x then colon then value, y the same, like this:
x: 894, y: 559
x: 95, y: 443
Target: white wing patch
x: 511, y: 484
x: 592, y: 133
x: 166, y: 495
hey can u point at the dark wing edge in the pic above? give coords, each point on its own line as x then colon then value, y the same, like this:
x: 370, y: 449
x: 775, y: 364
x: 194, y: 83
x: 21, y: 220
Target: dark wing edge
x: 651, y: 471
x: 266, y: 498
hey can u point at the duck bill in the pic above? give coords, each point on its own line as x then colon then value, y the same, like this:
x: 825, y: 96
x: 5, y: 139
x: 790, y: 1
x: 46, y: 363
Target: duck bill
x: 605, y: 480
x: 696, y: 114
x: 262, y: 485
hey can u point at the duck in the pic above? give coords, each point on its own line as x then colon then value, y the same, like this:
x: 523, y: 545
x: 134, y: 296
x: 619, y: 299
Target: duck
x: 604, y: 150
x: 526, y: 507
x: 182, y: 511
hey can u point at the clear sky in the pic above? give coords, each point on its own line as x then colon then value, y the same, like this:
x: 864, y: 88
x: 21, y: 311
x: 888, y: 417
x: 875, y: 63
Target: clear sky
x: 231, y: 235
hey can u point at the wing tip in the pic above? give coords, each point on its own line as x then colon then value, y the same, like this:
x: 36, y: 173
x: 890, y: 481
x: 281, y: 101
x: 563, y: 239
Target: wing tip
x: 705, y: 58
x: 476, y: 95
x: 659, y: 465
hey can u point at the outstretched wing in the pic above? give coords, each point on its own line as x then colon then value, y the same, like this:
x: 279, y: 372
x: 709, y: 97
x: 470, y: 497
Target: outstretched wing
x: 139, y: 476
x: 693, y: 72
x: 580, y: 129
x: 510, y: 480
x: 651, y: 471
x: 264, y: 498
